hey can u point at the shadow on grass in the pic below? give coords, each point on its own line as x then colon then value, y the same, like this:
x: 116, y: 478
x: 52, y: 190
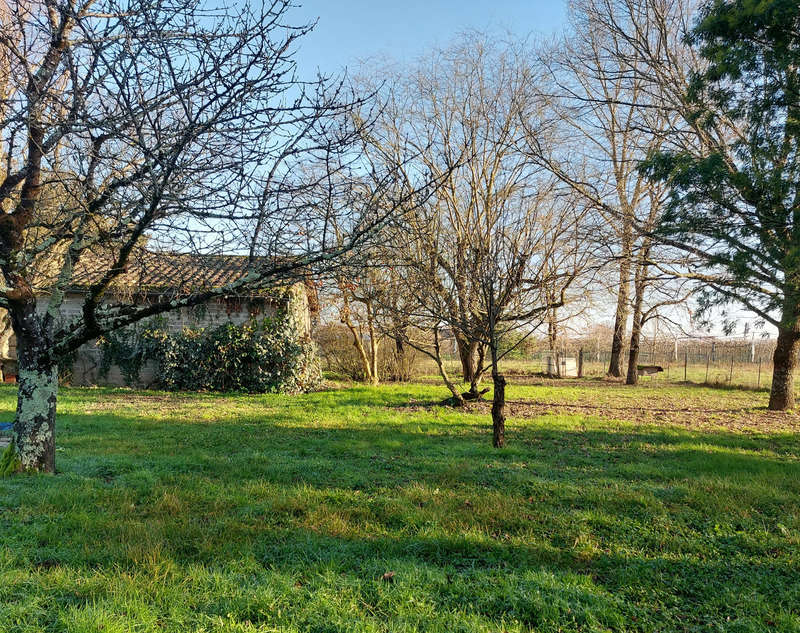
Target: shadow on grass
x: 574, y: 523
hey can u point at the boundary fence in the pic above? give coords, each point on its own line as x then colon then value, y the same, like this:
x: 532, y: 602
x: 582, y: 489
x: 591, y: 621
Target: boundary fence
x: 715, y: 361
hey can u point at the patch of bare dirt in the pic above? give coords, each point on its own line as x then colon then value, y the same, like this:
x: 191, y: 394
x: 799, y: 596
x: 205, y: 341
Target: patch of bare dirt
x: 652, y: 402
x: 144, y: 402
x: 750, y: 419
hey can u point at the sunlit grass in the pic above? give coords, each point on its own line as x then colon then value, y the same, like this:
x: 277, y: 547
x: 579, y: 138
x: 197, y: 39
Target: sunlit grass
x: 373, y: 509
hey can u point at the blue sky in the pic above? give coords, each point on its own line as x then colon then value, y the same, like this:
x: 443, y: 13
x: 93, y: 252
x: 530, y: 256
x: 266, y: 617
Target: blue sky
x: 351, y: 30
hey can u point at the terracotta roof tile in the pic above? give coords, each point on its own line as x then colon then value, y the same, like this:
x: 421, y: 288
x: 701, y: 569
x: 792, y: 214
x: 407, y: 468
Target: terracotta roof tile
x: 151, y: 272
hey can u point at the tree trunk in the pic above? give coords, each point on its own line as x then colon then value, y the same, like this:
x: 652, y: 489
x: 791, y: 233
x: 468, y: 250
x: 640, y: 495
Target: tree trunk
x: 358, y: 342
x: 477, y: 374
x: 437, y: 356
x: 373, y: 345
x: 498, y: 410
x: 633, y: 354
x: 401, y: 373
x: 621, y: 315
x: 499, y: 382
x: 636, y: 327
x: 552, y: 337
x: 33, y: 443
x: 781, y: 396
x: 466, y: 352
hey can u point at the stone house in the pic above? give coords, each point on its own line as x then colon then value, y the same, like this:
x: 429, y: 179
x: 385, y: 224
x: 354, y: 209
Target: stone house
x: 155, y: 276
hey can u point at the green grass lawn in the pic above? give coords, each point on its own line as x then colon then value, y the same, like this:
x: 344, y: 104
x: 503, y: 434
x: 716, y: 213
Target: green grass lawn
x: 373, y: 509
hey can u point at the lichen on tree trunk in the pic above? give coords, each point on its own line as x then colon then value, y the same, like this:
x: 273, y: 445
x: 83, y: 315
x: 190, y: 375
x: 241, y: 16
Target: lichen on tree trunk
x: 33, y: 445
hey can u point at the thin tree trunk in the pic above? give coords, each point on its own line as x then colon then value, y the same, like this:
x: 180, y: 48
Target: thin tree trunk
x: 373, y: 345
x: 498, y: 409
x: 781, y: 395
x: 459, y: 399
x: 552, y: 336
x: 358, y: 342
x: 639, y: 288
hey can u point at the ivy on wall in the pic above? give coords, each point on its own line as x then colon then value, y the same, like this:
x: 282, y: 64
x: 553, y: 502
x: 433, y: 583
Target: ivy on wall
x: 266, y: 355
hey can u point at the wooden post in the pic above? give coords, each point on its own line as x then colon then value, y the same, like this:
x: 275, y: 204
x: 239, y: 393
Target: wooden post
x: 758, y: 384
x: 730, y: 374
x: 685, y: 363
x: 580, y: 363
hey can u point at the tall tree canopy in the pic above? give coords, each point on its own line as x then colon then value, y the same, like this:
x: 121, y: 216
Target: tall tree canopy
x: 735, y: 192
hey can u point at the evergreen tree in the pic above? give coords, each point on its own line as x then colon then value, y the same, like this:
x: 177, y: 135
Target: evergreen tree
x: 735, y: 191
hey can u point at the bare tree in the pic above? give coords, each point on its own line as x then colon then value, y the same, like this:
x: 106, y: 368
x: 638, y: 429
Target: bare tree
x: 496, y: 248
x: 357, y: 312
x: 659, y: 280
x: 164, y: 126
x: 608, y: 121
x: 461, y: 110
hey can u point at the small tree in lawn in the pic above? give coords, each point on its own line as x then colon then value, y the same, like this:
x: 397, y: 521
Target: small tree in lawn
x: 357, y: 309
x: 735, y: 193
x: 528, y: 260
x: 522, y: 260
x: 164, y: 125
x: 493, y: 248
x: 462, y: 111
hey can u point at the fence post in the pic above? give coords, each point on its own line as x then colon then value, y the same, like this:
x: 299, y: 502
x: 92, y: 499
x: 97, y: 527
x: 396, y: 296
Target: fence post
x: 730, y: 374
x: 685, y: 363
x: 580, y: 363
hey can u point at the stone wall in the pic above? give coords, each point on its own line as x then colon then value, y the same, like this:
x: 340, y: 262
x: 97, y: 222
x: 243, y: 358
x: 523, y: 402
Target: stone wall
x: 85, y: 370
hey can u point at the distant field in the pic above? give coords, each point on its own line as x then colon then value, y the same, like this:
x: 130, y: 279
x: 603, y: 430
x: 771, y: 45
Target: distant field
x: 657, y: 508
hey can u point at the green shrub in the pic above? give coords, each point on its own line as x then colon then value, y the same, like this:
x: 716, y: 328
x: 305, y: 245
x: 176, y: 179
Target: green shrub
x: 269, y: 355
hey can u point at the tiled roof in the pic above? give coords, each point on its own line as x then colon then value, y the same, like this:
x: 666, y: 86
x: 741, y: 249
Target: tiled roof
x: 149, y: 272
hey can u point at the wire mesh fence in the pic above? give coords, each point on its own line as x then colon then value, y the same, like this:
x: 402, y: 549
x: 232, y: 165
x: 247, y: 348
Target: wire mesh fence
x: 739, y: 363
x: 745, y: 363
